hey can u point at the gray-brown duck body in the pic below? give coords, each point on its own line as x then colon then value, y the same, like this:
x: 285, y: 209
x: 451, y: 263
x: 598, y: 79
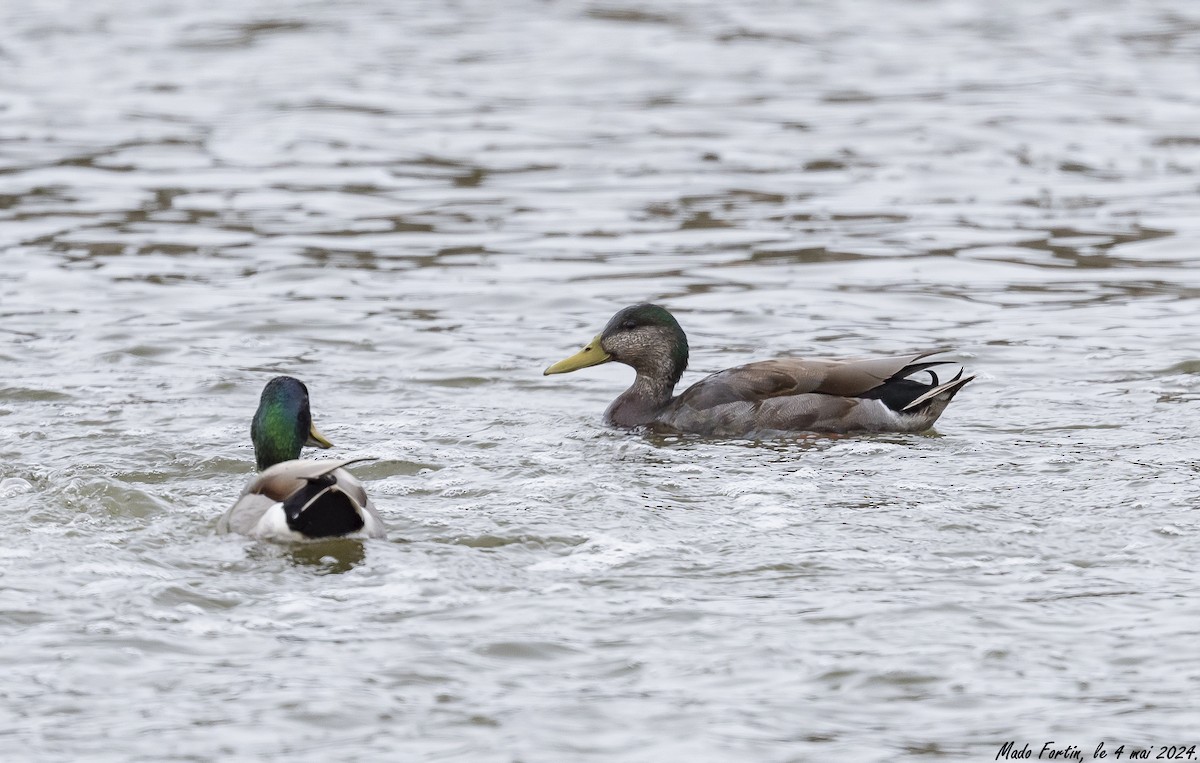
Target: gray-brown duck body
x: 770, y: 397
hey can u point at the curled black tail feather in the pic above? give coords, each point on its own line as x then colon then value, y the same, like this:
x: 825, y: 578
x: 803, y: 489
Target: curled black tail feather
x: 899, y: 393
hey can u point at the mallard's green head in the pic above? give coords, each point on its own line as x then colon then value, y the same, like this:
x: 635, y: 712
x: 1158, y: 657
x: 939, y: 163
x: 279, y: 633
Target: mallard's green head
x: 644, y: 336
x: 283, y: 423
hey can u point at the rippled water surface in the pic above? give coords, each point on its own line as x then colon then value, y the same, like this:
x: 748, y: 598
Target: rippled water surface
x: 416, y: 207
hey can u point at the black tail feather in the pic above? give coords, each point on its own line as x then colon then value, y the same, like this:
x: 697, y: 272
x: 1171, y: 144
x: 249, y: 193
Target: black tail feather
x: 321, y: 510
x: 899, y: 392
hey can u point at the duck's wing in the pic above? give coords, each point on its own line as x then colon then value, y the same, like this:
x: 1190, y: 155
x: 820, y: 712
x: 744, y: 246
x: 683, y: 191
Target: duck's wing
x: 793, y: 394
x: 281, y: 480
x: 797, y: 376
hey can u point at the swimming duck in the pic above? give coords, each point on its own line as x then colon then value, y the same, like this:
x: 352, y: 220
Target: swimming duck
x: 764, y: 398
x: 291, y: 499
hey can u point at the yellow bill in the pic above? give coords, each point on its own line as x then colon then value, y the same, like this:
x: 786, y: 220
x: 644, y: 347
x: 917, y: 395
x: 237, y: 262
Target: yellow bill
x: 316, y: 439
x: 592, y: 355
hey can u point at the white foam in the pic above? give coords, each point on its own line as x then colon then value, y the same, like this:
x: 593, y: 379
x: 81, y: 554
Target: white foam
x: 596, y: 555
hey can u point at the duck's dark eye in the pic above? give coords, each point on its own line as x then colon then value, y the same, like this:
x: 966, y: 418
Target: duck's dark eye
x: 629, y: 324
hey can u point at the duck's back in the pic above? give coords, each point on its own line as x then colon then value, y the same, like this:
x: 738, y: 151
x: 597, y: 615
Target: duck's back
x: 809, y: 395
x: 275, y: 484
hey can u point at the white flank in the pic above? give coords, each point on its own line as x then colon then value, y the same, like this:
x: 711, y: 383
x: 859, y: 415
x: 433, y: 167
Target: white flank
x: 273, y: 526
x: 372, y: 527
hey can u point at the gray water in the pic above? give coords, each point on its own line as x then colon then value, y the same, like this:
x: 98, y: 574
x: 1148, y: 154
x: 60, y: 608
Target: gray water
x: 416, y: 207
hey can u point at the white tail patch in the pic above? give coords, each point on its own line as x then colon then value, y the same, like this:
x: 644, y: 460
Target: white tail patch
x: 951, y: 386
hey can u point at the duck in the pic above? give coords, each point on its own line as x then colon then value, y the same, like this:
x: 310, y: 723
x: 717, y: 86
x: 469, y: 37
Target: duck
x: 295, y: 500
x: 762, y: 399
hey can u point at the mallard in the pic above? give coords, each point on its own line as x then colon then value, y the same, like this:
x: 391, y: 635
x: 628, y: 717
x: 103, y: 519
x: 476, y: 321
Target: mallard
x: 764, y: 398
x: 290, y: 499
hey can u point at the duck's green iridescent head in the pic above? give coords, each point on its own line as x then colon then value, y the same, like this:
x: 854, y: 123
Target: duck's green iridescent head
x: 283, y: 423
x: 644, y: 336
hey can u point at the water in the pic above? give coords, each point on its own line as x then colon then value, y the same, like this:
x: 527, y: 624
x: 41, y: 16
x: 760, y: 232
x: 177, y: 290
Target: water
x: 416, y: 207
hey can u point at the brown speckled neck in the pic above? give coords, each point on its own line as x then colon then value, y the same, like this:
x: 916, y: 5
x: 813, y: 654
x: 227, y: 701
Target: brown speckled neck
x: 641, y: 403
